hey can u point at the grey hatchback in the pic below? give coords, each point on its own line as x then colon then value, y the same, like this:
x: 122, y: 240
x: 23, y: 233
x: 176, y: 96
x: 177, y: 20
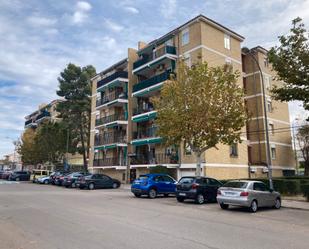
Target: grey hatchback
x: 251, y: 194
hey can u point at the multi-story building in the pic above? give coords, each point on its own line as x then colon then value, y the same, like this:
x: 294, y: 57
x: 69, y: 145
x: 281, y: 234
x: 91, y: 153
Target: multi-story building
x: 123, y: 129
x: 279, y: 133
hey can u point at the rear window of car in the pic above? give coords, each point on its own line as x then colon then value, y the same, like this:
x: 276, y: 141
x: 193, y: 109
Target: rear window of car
x: 187, y: 180
x: 236, y: 184
x: 143, y: 177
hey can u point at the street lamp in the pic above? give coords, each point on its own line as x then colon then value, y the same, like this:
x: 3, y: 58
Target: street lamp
x: 247, y: 51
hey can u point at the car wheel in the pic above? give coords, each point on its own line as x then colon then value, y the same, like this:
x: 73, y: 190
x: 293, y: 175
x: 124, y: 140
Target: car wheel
x: 277, y: 203
x: 180, y: 199
x: 46, y: 181
x: 224, y: 206
x: 138, y: 195
x: 253, y: 206
x: 115, y: 185
x: 152, y: 193
x: 17, y: 179
x: 200, y: 199
x: 91, y: 186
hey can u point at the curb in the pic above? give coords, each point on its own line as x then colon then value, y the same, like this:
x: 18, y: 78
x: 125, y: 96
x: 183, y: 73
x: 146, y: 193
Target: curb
x: 295, y: 208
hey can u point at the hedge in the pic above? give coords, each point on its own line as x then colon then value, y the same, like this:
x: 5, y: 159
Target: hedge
x: 305, y: 190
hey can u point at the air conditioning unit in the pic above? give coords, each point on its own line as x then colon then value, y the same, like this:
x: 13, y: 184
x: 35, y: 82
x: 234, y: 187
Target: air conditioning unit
x: 265, y: 170
x: 252, y: 169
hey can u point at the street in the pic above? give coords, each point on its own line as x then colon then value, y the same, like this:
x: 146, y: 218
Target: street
x: 44, y: 216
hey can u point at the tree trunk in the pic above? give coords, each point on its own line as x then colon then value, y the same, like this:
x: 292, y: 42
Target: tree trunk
x: 306, y: 164
x: 83, y: 147
x: 198, y: 164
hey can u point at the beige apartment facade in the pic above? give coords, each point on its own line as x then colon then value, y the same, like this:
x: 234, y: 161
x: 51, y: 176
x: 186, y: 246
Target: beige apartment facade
x: 147, y: 68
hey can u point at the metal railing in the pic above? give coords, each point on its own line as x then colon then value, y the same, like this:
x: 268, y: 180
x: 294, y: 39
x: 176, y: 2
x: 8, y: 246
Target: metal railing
x: 158, y: 53
x: 110, y: 118
x: 112, y: 161
x: 145, y: 132
x: 110, y: 138
x: 143, y: 109
x: 110, y: 97
x: 120, y: 74
x: 158, y: 158
x: 42, y: 115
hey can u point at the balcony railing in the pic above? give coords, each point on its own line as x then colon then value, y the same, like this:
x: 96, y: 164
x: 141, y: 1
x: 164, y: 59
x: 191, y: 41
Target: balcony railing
x: 147, y: 58
x: 145, y: 133
x: 143, y: 109
x: 112, y: 161
x: 110, y: 138
x: 152, y: 81
x: 110, y: 118
x: 43, y: 115
x: 158, y: 158
x: 28, y: 122
x: 121, y: 74
x: 111, y: 96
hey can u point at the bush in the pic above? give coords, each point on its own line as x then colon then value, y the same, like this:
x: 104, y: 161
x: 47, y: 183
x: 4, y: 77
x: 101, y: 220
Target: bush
x: 305, y: 190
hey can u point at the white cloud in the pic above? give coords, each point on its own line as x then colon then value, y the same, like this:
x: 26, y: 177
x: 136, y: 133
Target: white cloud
x: 39, y: 21
x: 168, y: 8
x: 83, y: 6
x: 113, y: 25
x: 131, y: 9
x: 81, y: 13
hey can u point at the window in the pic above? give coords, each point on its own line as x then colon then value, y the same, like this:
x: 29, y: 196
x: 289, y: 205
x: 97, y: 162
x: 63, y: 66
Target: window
x: 169, y: 42
x: 186, y: 180
x: 227, y: 41
x: 273, y: 153
x: 234, y: 150
x: 167, y: 179
x: 213, y: 182
x: 266, y: 62
x: 258, y: 186
x: 272, y: 128
x: 269, y: 106
x: 187, y: 149
x: 236, y: 184
x: 267, y: 81
x: 185, y: 37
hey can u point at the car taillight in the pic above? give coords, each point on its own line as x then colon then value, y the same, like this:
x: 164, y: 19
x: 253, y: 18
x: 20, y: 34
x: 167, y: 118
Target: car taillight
x: 244, y: 194
x: 195, y: 185
x: 218, y: 192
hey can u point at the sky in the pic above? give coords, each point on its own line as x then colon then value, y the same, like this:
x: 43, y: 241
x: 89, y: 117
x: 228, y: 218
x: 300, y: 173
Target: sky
x: 39, y: 38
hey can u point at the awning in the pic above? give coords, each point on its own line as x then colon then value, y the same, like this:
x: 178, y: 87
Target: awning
x: 106, y: 147
x: 141, y: 142
x: 144, y: 117
x: 147, y: 90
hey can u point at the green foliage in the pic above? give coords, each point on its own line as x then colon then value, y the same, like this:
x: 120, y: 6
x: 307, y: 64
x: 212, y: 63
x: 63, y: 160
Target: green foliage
x: 305, y: 190
x: 28, y: 148
x: 75, y: 88
x: 302, y: 137
x: 202, y: 106
x: 291, y: 62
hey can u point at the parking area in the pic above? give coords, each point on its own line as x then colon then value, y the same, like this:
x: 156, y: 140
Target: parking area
x: 45, y: 216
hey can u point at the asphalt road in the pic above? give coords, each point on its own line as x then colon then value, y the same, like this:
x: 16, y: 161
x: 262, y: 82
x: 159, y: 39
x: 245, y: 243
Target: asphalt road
x: 42, y: 216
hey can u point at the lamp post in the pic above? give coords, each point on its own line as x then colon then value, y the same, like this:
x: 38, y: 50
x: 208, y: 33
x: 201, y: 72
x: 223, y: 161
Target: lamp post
x: 268, y: 156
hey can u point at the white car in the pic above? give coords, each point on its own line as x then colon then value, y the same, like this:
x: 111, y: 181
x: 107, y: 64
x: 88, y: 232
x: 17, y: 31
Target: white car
x: 43, y: 180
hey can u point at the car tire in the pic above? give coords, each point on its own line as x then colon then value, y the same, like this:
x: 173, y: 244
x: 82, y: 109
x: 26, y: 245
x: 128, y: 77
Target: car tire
x: 180, y: 199
x: 138, y: 195
x: 17, y: 179
x: 115, y: 185
x: 165, y: 195
x: 224, y: 206
x: 46, y: 182
x: 254, y: 206
x: 152, y: 193
x: 91, y: 186
x: 200, y: 199
x: 277, y: 204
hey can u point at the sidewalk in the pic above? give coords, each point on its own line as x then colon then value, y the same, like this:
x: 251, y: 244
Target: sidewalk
x: 290, y: 202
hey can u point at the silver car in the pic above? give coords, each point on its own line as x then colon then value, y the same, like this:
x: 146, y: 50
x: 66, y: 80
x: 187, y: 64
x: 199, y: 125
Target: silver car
x: 251, y: 194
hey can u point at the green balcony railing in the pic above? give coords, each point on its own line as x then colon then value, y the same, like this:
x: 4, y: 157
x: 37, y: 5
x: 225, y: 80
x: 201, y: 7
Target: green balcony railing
x: 110, y: 119
x: 159, y: 52
x: 110, y: 138
x: 152, y: 81
x: 157, y: 158
x: 111, y: 161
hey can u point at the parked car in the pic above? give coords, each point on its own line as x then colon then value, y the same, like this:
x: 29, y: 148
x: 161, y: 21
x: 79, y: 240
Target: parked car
x: 39, y: 173
x: 153, y: 185
x: 70, y: 180
x: 54, y: 175
x: 59, y: 178
x: 43, y: 180
x: 6, y: 175
x: 94, y: 181
x: 20, y: 176
x: 200, y: 189
x: 251, y: 194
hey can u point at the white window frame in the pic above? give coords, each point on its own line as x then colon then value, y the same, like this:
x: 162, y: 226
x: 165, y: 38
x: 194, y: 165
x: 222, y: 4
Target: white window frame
x: 273, y: 153
x: 227, y: 41
x: 269, y: 105
x: 185, y: 37
x: 236, y: 150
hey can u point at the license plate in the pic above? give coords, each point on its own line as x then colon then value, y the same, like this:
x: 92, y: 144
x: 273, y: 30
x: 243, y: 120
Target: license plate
x: 182, y: 194
x: 230, y: 193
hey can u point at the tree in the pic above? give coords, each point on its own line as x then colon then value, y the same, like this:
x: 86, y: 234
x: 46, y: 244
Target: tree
x: 75, y: 87
x: 291, y: 62
x: 303, y: 142
x: 28, y: 148
x: 202, y: 107
x: 50, y: 141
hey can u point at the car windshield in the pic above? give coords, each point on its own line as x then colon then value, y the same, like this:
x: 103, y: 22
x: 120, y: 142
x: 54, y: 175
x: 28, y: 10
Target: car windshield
x: 187, y: 180
x: 236, y: 184
x: 143, y: 178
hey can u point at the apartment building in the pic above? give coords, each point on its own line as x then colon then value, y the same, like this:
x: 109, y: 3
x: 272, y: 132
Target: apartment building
x: 281, y: 152
x: 123, y: 128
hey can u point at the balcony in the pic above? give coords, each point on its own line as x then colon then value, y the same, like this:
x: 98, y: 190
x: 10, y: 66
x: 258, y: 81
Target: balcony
x: 112, y: 161
x: 154, y: 159
x: 110, y: 138
x: 145, y: 133
x: 121, y: 76
x: 30, y: 123
x: 115, y: 118
x: 161, y: 53
x: 116, y: 97
x: 151, y: 84
x: 44, y: 114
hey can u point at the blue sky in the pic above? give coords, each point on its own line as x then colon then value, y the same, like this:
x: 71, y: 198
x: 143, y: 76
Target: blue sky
x: 39, y: 38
